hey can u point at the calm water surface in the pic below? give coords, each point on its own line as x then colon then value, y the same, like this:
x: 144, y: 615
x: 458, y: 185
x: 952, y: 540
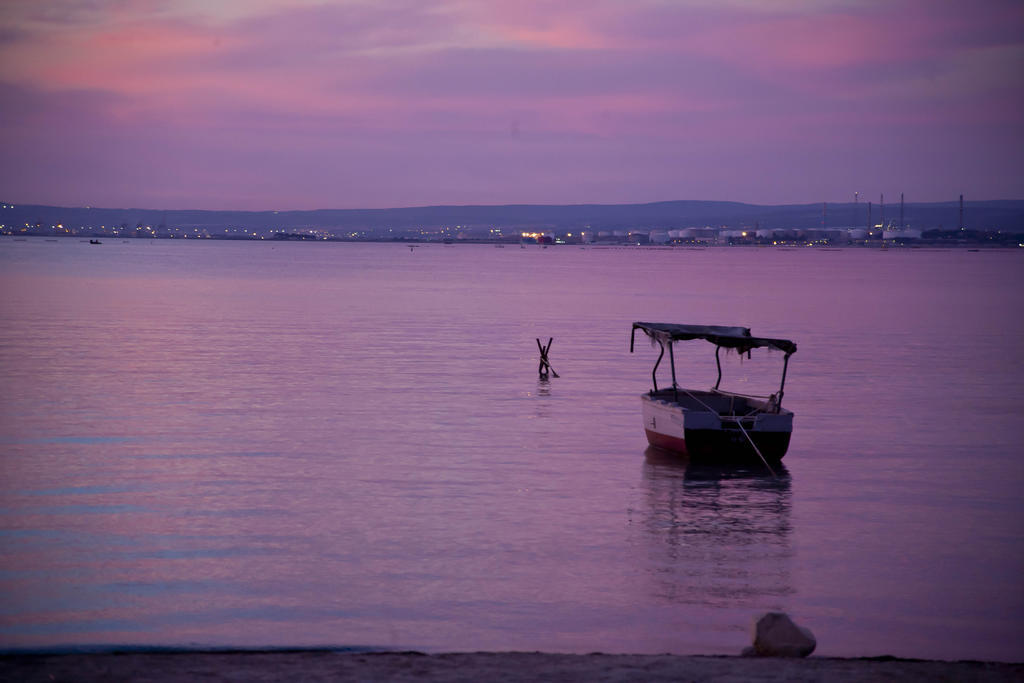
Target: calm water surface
x: 322, y: 444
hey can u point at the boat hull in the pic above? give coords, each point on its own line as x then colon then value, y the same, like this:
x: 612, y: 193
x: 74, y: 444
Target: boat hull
x: 705, y: 435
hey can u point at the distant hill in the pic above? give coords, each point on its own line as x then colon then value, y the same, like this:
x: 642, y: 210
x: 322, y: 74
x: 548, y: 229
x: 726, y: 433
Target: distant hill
x: 1007, y: 216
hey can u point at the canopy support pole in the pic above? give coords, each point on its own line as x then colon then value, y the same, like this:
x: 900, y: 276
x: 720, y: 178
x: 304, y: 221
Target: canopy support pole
x: 672, y: 362
x: 654, y: 372
x: 782, y: 386
x: 718, y: 362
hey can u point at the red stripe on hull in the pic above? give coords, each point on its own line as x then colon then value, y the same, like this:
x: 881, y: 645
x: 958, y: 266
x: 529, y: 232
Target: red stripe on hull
x: 669, y: 443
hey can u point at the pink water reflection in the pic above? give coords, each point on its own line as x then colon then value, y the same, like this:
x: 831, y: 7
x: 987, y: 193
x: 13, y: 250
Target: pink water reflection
x: 230, y: 444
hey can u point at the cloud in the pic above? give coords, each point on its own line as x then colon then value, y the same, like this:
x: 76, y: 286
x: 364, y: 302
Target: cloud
x: 355, y: 85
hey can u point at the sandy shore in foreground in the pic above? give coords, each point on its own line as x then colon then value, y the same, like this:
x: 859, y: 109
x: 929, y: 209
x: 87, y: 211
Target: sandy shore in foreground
x: 481, y: 666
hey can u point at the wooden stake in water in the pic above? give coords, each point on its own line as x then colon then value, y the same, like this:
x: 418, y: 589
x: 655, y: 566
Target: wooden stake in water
x: 545, y: 366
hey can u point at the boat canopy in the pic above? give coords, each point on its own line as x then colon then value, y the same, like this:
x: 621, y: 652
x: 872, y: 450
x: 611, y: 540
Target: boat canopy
x: 738, y: 338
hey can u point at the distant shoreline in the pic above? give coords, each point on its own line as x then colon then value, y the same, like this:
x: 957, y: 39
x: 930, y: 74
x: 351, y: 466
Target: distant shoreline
x: 682, y: 220
x: 327, y: 665
x: 920, y: 245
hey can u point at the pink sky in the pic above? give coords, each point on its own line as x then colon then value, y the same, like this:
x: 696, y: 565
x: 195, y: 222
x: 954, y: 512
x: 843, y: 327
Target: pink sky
x: 302, y: 104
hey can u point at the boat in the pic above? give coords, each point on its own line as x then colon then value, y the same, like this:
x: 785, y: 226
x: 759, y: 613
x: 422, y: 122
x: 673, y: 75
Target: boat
x: 715, y: 425
x: 95, y: 242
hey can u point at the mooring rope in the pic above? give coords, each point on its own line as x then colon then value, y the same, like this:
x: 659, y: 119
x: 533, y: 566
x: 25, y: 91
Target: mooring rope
x: 756, y: 450
x: 709, y: 408
x: 739, y: 424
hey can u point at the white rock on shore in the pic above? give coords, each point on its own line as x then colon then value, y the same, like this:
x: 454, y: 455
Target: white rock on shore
x: 776, y: 635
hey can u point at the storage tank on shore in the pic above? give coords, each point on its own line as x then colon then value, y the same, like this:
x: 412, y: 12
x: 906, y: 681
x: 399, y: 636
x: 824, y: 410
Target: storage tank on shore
x: 904, y: 234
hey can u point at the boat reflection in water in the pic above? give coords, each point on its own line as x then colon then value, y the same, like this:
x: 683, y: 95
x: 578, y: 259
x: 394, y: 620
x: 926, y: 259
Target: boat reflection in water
x: 718, y: 536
